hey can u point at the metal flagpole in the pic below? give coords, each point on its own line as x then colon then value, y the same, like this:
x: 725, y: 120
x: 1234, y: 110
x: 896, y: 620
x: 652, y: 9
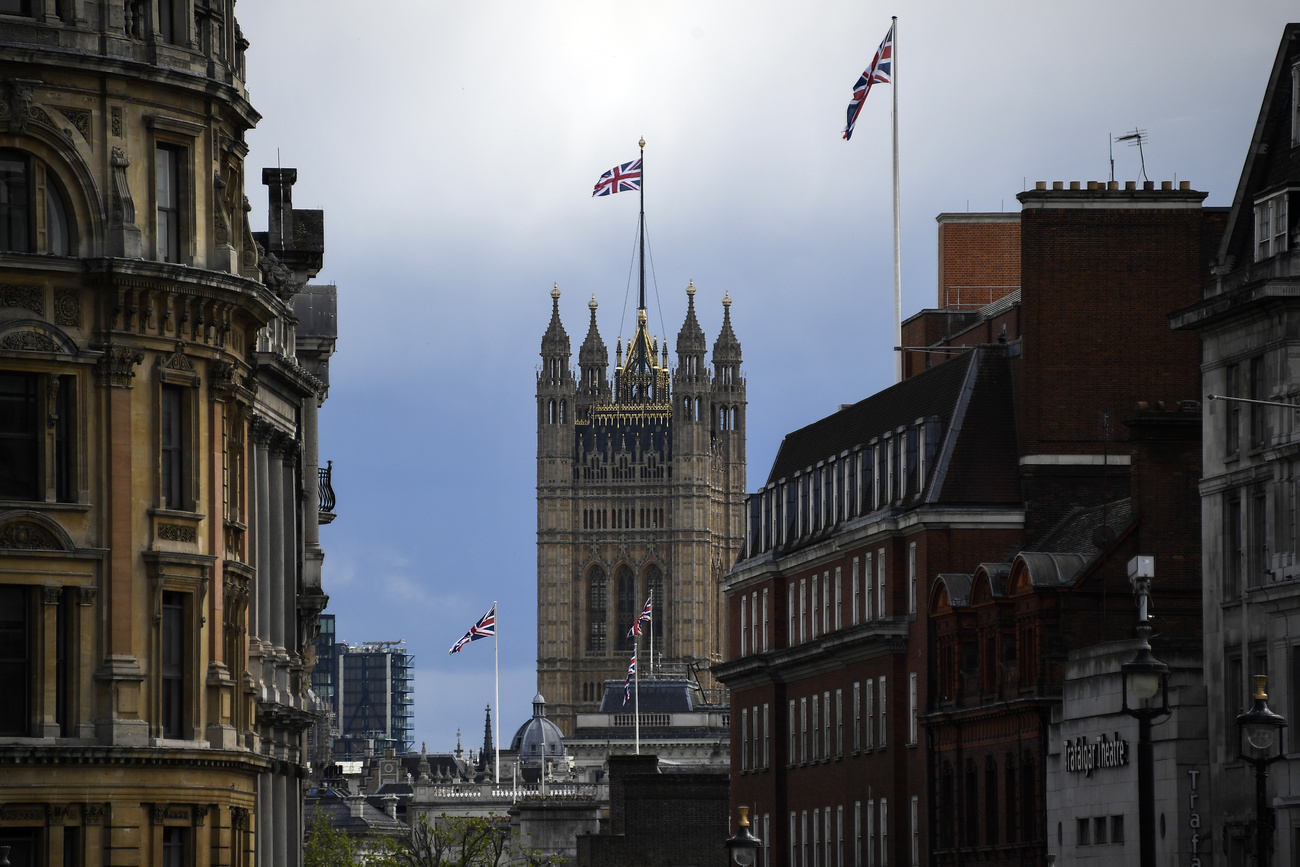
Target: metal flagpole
x: 636, y: 703
x: 496, y: 667
x: 652, y: 631
x: 898, y: 246
x: 641, y: 297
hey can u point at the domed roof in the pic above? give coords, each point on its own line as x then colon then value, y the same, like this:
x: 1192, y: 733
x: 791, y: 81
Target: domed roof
x: 539, y: 737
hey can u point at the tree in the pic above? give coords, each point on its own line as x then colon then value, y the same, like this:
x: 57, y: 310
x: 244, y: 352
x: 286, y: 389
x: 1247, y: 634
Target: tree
x: 459, y: 841
x: 327, y: 846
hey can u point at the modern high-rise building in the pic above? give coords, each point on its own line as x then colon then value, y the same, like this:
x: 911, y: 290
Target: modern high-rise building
x: 640, y: 484
x: 368, y: 691
x: 161, y: 368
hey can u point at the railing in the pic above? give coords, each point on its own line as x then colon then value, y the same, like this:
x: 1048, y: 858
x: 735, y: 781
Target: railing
x: 326, y: 489
x: 974, y: 297
x: 647, y: 719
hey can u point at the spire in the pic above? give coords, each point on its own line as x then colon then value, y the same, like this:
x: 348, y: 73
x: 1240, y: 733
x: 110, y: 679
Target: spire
x: 556, y: 340
x: 593, y: 350
x: 690, y: 340
x: 726, y: 349
x: 487, y: 733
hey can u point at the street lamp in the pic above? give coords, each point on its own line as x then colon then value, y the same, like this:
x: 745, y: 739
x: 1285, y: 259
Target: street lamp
x: 744, y: 846
x: 1144, y: 678
x: 1259, y: 741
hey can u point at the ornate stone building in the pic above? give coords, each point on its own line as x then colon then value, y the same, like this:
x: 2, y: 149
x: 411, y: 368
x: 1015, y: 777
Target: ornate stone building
x: 160, y: 373
x: 640, y: 485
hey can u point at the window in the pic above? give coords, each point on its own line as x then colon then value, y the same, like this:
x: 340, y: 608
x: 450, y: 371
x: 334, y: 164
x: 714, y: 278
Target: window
x: 857, y: 716
x: 1295, y: 124
x: 826, y: 836
x: 869, y: 588
x: 839, y: 617
x: 803, y: 834
x: 1099, y: 830
x: 744, y: 627
x: 910, y: 461
x: 990, y: 801
x: 173, y: 665
x: 884, y: 832
x: 857, y: 834
x: 1232, y: 434
x: 854, y: 595
x: 916, y: 832
x: 839, y: 722
x: 625, y: 586
x: 803, y: 609
x: 869, y: 715
x: 880, y: 583
x: 839, y: 836
x: 764, y: 619
x: 826, y: 602
x: 813, y: 631
x: 166, y: 23
x: 794, y: 840
x: 744, y: 739
x: 911, y: 707
x: 1258, y: 559
x: 1083, y: 832
x: 173, y: 847
x: 790, y: 612
x: 753, y: 622
x: 15, y: 659
x: 1258, y: 414
x: 597, y: 609
x: 767, y: 840
x: 1117, y: 829
x: 1270, y: 226
x: 816, y: 836
x: 815, y: 726
x: 175, y: 434
x: 911, y: 578
x: 803, y: 729
x: 767, y: 761
x: 755, y: 757
x: 167, y: 192
x: 826, y: 725
x: 19, y: 437
x: 1232, y: 546
x: 882, y: 728
x: 33, y: 216
x: 871, y: 832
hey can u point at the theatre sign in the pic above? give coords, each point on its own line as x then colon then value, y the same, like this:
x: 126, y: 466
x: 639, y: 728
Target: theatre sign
x: 1083, y: 756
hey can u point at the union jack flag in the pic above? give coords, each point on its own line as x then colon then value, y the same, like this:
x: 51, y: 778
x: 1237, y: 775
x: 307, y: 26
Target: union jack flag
x: 485, y: 628
x: 644, y: 618
x: 880, y: 71
x: 620, y: 179
x: 627, y: 682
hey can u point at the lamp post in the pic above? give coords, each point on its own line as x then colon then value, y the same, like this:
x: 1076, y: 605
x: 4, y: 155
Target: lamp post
x: 1259, y: 733
x: 743, y: 846
x: 1144, y: 677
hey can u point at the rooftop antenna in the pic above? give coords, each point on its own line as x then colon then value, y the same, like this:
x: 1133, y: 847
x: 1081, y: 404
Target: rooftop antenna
x: 1136, y: 138
x: 1110, y: 138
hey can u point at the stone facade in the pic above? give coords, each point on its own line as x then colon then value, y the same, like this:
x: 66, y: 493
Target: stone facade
x: 640, y: 481
x: 160, y: 568
x: 1247, y: 321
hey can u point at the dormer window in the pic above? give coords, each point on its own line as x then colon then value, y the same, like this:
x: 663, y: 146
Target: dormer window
x: 1295, y: 105
x: 1271, y: 226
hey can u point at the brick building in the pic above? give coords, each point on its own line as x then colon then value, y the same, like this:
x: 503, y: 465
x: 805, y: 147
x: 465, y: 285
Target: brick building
x: 1022, y: 425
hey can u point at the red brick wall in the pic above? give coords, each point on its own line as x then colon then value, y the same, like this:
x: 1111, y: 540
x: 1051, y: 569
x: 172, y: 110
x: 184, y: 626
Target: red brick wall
x: 976, y: 252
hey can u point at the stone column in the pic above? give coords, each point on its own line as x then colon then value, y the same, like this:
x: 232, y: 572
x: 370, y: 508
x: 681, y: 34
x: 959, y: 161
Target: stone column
x: 265, y: 577
x: 281, y: 804
x: 277, y: 563
x: 292, y: 531
x: 265, y: 823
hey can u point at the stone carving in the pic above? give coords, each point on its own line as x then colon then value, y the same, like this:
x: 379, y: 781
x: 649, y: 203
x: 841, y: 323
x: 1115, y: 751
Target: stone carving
x: 200, y: 814
x: 51, y: 594
x: 86, y: 595
x: 67, y: 307
x: 27, y: 536
x: 115, y: 121
x: 239, y: 818
x: 18, y: 100
x: 29, y: 296
x: 177, y: 533
x: 123, y: 204
x: 29, y: 341
x: 80, y: 120
x: 177, y: 360
x: 21, y: 813
x: 92, y: 814
x: 56, y: 813
x: 117, y: 368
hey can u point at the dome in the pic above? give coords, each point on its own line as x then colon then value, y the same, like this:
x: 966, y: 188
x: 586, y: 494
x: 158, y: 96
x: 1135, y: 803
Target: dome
x: 537, y: 739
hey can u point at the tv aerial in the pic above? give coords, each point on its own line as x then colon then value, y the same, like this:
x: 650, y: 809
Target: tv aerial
x: 1134, y: 139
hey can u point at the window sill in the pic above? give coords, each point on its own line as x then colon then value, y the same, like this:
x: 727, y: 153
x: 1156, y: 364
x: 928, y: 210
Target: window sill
x: 44, y: 505
x: 177, y: 513
x: 180, y: 744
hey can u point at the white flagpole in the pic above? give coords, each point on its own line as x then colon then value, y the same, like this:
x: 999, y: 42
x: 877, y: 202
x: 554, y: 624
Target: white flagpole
x: 636, y: 703
x: 496, y: 667
x: 652, y: 632
x: 898, y: 247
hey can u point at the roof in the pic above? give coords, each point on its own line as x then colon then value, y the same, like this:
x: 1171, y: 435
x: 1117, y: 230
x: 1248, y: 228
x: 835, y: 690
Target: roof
x: 655, y: 696
x: 932, y: 393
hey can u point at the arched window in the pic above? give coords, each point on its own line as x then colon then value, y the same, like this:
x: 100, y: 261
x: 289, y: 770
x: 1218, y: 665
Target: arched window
x: 563, y: 407
x: 627, y: 610
x: 597, y: 609
x: 654, y: 584
x: 33, y: 216
x: 550, y: 412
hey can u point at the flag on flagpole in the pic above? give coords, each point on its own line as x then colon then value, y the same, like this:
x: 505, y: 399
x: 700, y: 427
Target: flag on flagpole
x: 485, y: 628
x: 644, y: 618
x: 625, y: 178
x: 627, y: 683
x: 880, y: 71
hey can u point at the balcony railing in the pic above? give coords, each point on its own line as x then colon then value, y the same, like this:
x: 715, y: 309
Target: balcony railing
x: 326, y: 490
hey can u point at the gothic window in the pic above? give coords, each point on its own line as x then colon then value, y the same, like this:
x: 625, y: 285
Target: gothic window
x: 597, y: 609
x: 33, y: 216
x: 625, y: 586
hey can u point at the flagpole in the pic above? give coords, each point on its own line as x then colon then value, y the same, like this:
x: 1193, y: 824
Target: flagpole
x: 898, y: 247
x: 496, y: 667
x: 652, y: 631
x: 636, y: 702
x: 641, y: 306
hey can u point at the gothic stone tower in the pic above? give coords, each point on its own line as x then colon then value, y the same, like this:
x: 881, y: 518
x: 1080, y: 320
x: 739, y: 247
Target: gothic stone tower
x: 640, y: 487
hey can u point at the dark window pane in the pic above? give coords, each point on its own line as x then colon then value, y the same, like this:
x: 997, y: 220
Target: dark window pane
x: 173, y: 664
x: 56, y: 221
x: 167, y: 166
x: 14, y: 204
x: 19, y: 444
x: 172, y: 450
x: 15, y: 644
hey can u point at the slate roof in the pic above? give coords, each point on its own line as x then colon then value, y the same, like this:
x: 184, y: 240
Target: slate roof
x: 657, y: 696
x: 932, y: 393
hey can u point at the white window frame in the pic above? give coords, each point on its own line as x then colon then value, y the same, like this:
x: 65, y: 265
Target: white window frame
x: 856, y: 589
x: 880, y: 584
x: 826, y: 725
x: 857, y: 716
x: 744, y: 628
x: 857, y: 834
x: 816, y: 835
x: 839, y: 600
x: 744, y: 740
x: 816, y: 725
x: 1271, y: 211
x: 790, y: 611
x: 916, y: 832
x: 912, y: 699
x: 871, y: 832
x: 812, y: 632
x: 803, y: 610
x: 794, y: 737
x: 765, y: 629
x: 767, y: 733
x: 826, y: 602
x: 869, y: 587
x: 803, y: 729
x: 882, y: 740
x: 869, y: 715
x: 911, y: 578
x: 884, y: 832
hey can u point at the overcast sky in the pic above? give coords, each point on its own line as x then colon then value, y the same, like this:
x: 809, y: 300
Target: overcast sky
x: 453, y: 147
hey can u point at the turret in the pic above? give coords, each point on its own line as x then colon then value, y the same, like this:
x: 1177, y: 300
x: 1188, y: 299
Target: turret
x: 593, y: 364
x: 728, y: 385
x: 556, y: 389
x: 691, y: 399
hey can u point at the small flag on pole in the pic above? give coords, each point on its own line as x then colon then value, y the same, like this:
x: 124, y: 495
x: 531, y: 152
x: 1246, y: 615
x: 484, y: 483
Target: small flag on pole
x: 485, y: 628
x: 644, y: 618
x: 880, y: 71
x: 627, y: 683
x: 625, y: 178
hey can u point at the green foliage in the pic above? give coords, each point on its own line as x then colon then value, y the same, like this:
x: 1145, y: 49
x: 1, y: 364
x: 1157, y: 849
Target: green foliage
x: 327, y: 846
x: 461, y: 841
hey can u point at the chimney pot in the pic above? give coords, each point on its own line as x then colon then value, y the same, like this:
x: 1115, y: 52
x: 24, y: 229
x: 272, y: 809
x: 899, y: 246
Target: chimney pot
x: 1166, y: 185
x: 1184, y: 185
x: 1040, y: 185
x: 1074, y: 185
x: 1057, y: 185
x: 1130, y: 185
x: 1148, y: 185
x: 1112, y: 185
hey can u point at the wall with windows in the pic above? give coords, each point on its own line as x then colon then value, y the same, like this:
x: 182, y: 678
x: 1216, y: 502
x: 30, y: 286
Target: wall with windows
x: 159, y: 574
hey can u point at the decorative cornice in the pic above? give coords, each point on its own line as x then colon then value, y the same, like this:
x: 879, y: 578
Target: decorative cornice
x: 117, y: 368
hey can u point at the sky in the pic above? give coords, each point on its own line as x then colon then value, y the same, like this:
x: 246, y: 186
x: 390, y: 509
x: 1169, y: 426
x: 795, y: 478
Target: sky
x: 453, y: 147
